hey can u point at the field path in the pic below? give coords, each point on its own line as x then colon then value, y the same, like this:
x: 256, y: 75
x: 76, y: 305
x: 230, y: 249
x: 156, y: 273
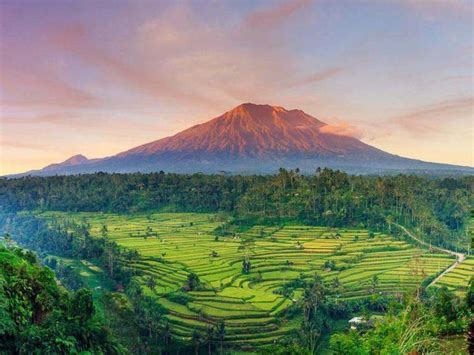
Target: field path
x: 460, y: 257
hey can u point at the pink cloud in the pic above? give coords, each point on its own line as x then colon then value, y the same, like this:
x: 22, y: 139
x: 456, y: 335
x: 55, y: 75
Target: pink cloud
x: 432, y: 118
x: 273, y: 15
x: 205, y: 58
x: 41, y: 88
x: 49, y: 118
x: 10, y: 143
x: 342, y: 129
x: 154, y: 82
x: 183, y: 59
x: 432, y: 9
x: 83, y: 122
x: 317, y: 77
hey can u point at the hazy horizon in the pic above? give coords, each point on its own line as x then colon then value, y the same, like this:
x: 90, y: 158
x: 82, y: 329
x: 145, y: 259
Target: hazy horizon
x: 95, y: 79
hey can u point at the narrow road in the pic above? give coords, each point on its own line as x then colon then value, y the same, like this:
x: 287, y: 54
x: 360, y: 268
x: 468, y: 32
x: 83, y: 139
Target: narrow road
x: 460, y: 257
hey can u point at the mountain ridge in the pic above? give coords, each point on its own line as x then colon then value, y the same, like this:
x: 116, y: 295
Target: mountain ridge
x: 254, y: 130
x: 251, y: 138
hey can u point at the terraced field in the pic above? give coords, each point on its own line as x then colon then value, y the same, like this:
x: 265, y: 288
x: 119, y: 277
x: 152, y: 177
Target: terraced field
x: 172, y: 246
x: 457, y: 280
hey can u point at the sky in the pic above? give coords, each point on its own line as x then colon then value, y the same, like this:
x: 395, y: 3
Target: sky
x: 98, y: 77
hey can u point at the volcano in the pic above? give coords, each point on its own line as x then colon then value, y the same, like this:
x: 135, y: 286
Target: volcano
x: 252, y: 139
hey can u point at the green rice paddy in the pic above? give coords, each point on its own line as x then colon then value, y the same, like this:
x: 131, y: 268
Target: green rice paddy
x: 457, y: 280
x: 172, y: 245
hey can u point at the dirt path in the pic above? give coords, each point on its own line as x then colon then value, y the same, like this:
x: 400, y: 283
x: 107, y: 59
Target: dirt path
x: 460, y: 257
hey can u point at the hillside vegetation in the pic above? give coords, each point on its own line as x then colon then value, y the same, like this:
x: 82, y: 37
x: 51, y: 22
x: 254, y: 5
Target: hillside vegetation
x: 250, y: 263
x: 39, y: 317
x: 436, y: 209
x: 252, y: 298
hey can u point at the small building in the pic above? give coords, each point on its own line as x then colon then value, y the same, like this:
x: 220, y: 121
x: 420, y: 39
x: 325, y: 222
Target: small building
x: 356, y: 322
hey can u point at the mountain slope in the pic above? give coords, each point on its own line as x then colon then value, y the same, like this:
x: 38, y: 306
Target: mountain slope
x: 252, y: 139
x: 72, y: 161
x: 255, y: 131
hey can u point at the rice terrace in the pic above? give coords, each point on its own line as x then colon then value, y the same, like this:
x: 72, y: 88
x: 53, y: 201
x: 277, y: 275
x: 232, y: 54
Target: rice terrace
x: 175, y: 262
x: 252, y: 303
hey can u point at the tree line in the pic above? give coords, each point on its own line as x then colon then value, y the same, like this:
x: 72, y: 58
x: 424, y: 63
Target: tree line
x: 436, y: 208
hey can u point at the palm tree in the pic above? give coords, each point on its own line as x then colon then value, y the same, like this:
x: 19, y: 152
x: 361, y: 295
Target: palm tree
x: 155, y: 311
x: 104, y: 230
x: 336, y: 287
x: 209, y: 337
x: 193, y: 281
x: 110, y: 251
x: 167, y: 335
x: 221, y: 334
x: 470, y: 337
x: 374, y: 283
x: 196, y: 339
x: 151, y: 282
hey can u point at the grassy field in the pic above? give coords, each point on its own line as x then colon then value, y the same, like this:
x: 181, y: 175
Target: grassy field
x: 172, y: 245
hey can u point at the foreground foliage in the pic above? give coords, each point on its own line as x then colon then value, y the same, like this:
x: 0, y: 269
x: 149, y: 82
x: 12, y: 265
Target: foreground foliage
x: 416, y: 329
x: 39, y: 317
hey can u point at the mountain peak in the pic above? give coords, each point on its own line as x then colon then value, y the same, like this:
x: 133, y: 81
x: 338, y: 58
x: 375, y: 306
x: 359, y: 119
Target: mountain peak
x: 255, y: 110
x: 75, y: 159
x: 250, y: 137
x: 249, y: 131
x: 250, y: 106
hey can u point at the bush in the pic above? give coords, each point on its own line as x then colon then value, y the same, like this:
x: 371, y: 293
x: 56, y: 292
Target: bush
x: 179, y: 297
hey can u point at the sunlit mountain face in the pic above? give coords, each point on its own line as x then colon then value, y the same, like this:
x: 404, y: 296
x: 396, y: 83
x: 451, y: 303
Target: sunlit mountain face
x: 251, y: 138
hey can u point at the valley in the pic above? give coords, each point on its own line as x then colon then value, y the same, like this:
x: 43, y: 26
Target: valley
x: 200, y: 263
x: 356, y: 264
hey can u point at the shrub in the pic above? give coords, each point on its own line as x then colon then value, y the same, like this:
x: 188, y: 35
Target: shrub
x: 179, y: 297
